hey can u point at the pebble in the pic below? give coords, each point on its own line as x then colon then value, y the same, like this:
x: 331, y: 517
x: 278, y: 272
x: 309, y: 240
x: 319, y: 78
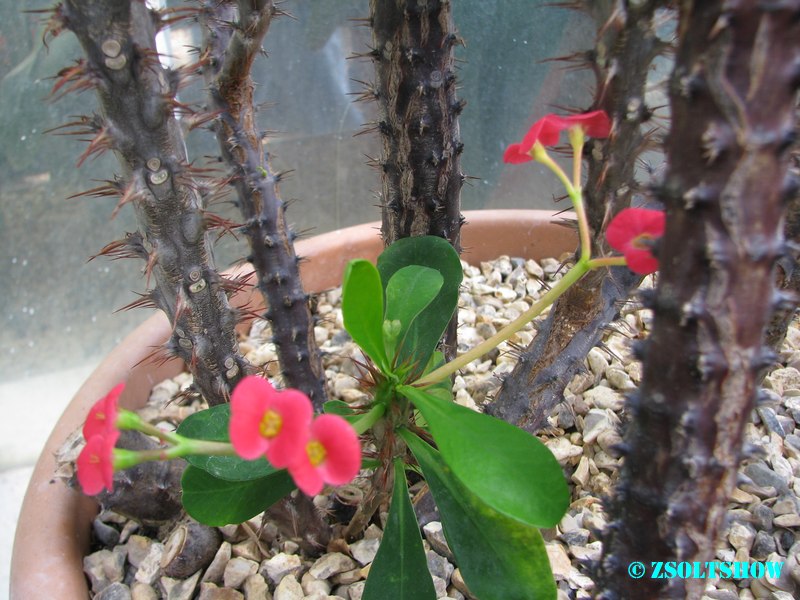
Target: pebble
x: 179, y: 589
x: 604, y: 397
x: 115, y: 591
x: 331, y: 564
x: 280, y: 565
x: 237, y: 570
x: 150, y: 568
x: 288, y: 589
x: 142, y: 591
x: 216, y: 569
x: 209, y: 591
x: 364, y: 550
x: 255, y: 587
x: 559, y: 561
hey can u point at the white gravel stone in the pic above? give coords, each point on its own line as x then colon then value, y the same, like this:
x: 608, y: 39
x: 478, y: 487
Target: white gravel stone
x: 280, y: 565
x: 364, y: 550
x: 237, y: 570
x: 330, y: 564
x: 288, y: 589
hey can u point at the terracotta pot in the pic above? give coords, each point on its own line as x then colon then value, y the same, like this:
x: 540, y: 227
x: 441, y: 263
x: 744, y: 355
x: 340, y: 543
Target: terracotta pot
x: 55, y: 522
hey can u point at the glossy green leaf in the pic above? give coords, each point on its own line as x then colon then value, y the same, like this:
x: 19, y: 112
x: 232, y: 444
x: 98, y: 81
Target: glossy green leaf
x: 217, y: 502
x: 400, y: 569
x: 499, y: 557
x: 508, y: 468
x: 408, y: 292
x: 212, y: 425
x: 427, y: 329
x: 362, y: 309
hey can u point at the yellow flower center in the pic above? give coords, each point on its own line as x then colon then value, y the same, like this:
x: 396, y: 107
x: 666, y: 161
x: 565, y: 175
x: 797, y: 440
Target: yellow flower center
x: 643, y: 241
x: 271, y: 424
x: 316, y: 453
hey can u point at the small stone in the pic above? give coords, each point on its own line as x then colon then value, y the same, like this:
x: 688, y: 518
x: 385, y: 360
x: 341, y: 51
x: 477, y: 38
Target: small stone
x: 610, y: 441
x: 373, y: 532
x: 247, y: 549
x: 364, y: 550
x: 312, y: 585
x: 581, y: 474
x: 594, y: 423
x: 150, y: 568
x: 209, y: 591
x: 720, y: 595
x: 787, y: 520
x: 781, y: 380
x: 587, y: 552
x: 763, y: 476
x: 763, y: 546
x: 439, y: 566
x: 741, y: 535
x: 288, y: 589
x: 115, y: 591
x: 604, y: 397
x: 142, y: 591
x: 104, y: 568
x: 770, y: 420
x: 533, y: 268
x: 255, y: 588
x: 785, y: 506
x: 330, y: 564
x: 435, y: 535
x: 578, y: 537
x: 138, y: 547
x: 562, y: 449
x: 598, y: 363
x: 347, y: 577
x: 619, y: 380
x: 106, y: 534
x: 559, y: 561
x: 216, y: 569
x: 762, y: 517
x: 440, y: 586
x: 741, y: 497
x: 356, y: 590
x: 179, y: 589
x: 280, y: 565
x: 237, y: 570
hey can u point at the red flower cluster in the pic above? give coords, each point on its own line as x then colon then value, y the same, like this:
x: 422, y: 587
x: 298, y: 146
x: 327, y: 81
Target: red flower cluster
x: 547, y: 130
x: 96, y: 461
x: 633, y: 231
x: 281, y: 426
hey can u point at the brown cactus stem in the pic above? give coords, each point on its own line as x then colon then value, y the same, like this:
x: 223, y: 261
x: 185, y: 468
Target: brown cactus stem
x: 732, y: 95
x: 416, y: 92
x: 234, y: 33
x: 137, y: 98
x: 574, y: 326
x: 415, y: 87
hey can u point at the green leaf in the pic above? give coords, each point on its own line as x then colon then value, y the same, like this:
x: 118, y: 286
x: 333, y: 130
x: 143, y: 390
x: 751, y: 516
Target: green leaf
x: 508, y: 468
x: 337, y: 407
x: 427, y: 329
x: 400, y: 569
x: 362, y: 309
x: 212, y: 425
x: 409, y: 291
x: 217, y: 502
x: 499, y: 558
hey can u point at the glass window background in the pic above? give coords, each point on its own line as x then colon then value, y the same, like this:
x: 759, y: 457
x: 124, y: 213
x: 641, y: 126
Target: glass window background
x: 58, y: 309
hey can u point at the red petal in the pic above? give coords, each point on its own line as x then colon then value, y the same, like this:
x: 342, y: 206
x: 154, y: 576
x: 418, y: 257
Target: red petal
x: 630, y: 223
x: 342, y: 449
x: 307, y: 478
x: 296, y: 414
x: 595, y: 124
x: 95, y: 464
x: 514, y: 155
x: 102, y: 418
x: 641, y: 261
x: 546, y: 131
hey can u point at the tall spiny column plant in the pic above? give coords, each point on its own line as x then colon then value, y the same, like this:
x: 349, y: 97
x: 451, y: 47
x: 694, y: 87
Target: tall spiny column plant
x: 733, y: 96
x: 137, y: 121
x: 415, y: 86
x: 626, y: 46
x: 233, y: 33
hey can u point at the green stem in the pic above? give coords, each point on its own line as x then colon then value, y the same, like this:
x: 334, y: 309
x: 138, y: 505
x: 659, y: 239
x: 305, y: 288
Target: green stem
x: 607, y: 261
x: 370, y: 418
x: 130, y: 420
x: 124, y: 459
x: 561, y: 286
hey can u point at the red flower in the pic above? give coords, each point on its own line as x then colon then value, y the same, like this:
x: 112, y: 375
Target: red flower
x: 96, y: 463
x: 266, y: 421
x: 633, y: 232
x: 332, y: 455
x: 102, y: 419
x: 546, y: 131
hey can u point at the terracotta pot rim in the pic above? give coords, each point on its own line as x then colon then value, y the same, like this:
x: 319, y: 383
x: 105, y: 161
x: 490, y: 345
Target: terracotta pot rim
x: 54, y: 522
